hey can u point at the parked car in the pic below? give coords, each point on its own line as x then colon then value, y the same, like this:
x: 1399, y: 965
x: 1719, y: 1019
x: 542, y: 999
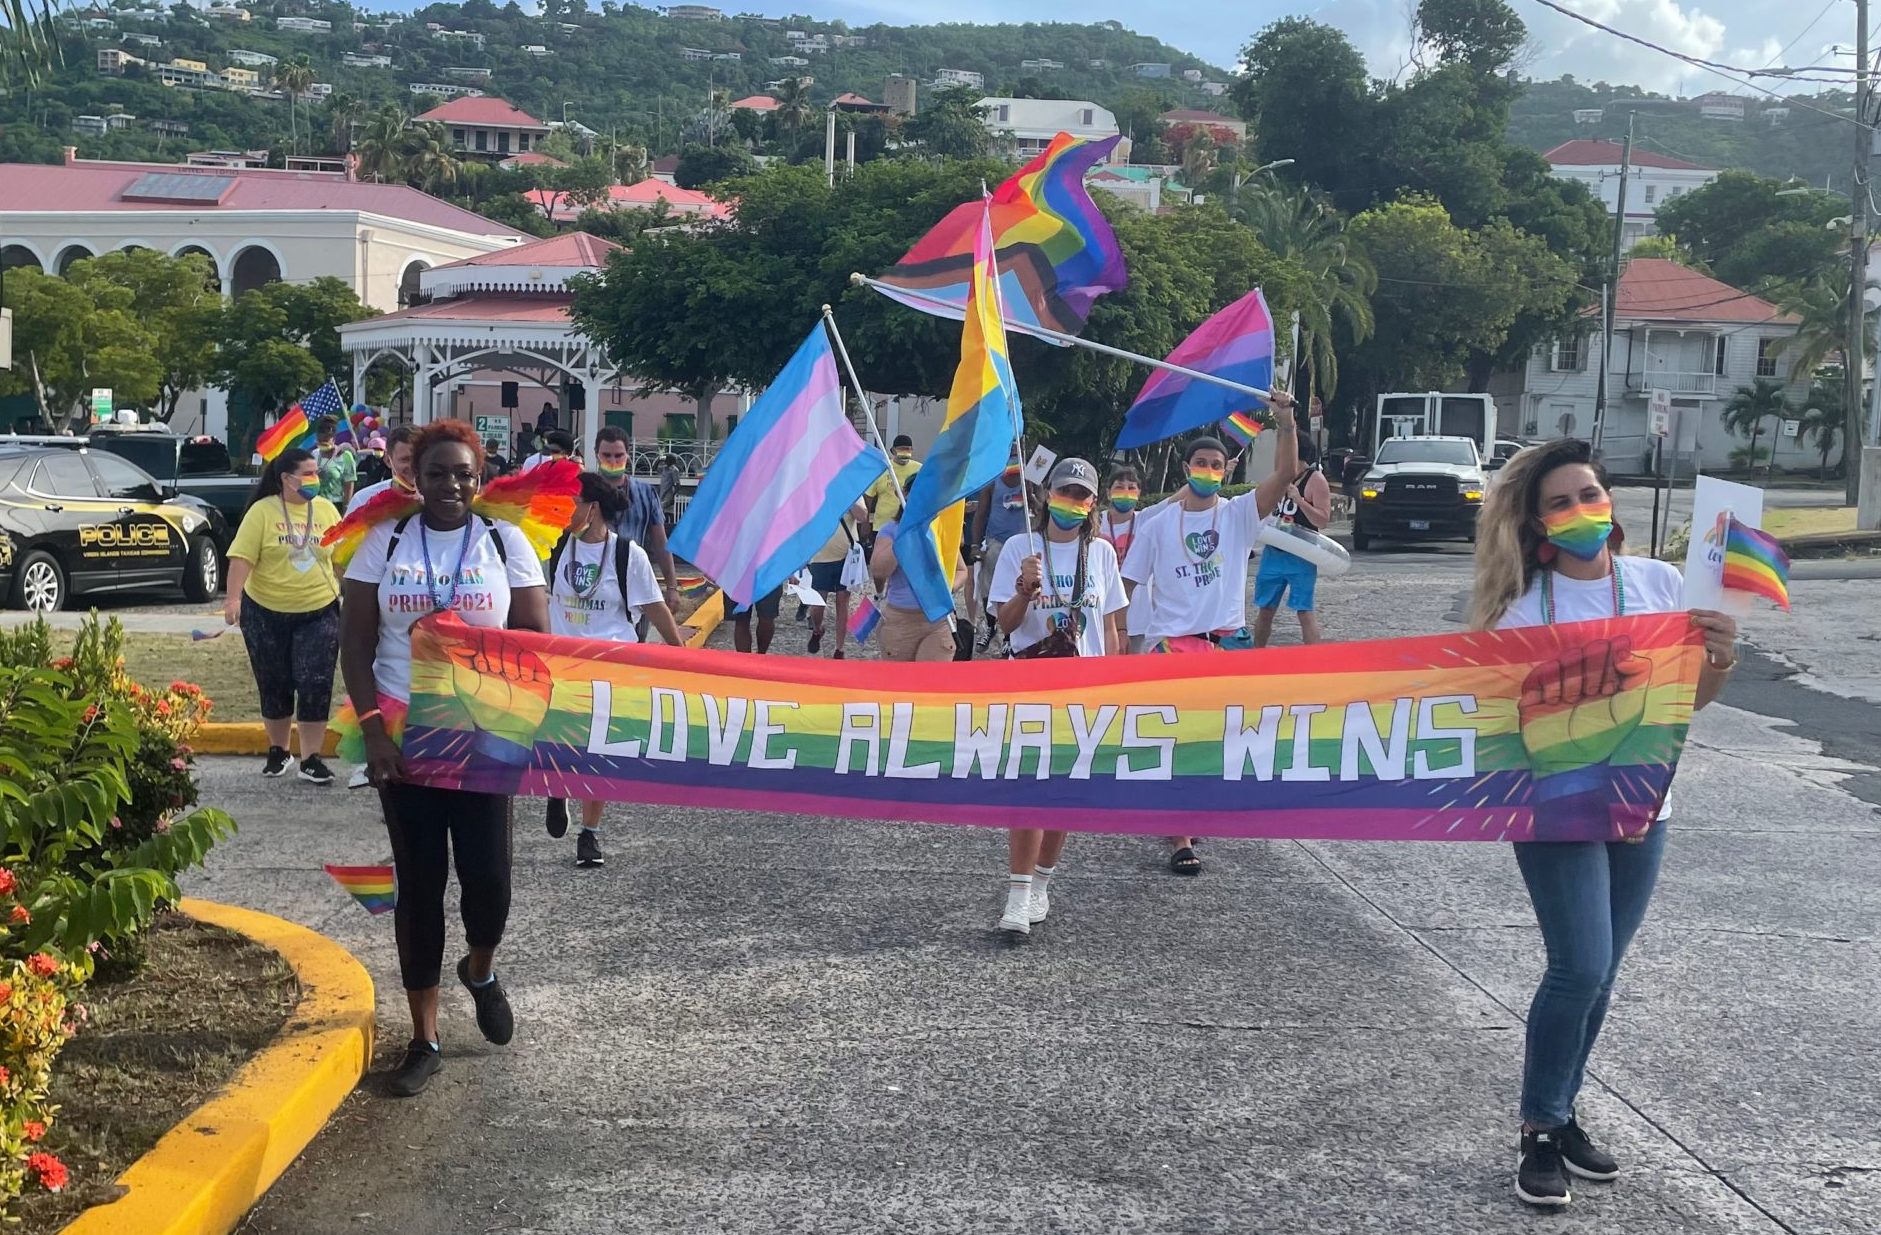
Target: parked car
x: 82, y: 522
x: 197, y: 466
x: 1420, y: 488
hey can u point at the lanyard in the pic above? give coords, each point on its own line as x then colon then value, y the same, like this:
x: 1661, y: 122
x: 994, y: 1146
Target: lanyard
x: 431, y: 583
x: 1547, y: 595
x: 306, y: 532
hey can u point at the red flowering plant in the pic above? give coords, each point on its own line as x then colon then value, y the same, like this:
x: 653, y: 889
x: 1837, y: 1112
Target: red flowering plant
x: 36, y: 1021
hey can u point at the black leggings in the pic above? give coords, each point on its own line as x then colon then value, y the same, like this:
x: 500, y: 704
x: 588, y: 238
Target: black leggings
x: 292, y: 655
x: 428, y: 827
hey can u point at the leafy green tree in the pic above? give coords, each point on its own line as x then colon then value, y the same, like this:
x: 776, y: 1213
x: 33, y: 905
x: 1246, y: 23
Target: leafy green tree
x: 951, y: 124
x: 176, y: 299
x: 703, y: 165
x: 1666, y: 248
x: 72, y: 336
x: 278, y: 342
x: 1754, y: 232
x: 1309, y: 98
x: 1484, y: 34
x: 585, y: 182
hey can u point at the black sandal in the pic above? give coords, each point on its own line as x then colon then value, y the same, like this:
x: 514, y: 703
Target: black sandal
x: 1184, y: 862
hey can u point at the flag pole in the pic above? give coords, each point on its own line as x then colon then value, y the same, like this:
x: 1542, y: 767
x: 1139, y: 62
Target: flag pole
x: 875, y: 431
x: 1054, y: 336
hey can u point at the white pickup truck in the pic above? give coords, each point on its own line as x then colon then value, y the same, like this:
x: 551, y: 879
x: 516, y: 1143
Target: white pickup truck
x: 1420, y: 488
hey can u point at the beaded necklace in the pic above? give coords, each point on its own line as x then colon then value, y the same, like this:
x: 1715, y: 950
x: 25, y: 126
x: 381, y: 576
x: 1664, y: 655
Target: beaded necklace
x: 431, y: 583
x: 1547, y: 594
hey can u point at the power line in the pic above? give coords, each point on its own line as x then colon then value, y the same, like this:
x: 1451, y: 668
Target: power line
x: 1725, y: 71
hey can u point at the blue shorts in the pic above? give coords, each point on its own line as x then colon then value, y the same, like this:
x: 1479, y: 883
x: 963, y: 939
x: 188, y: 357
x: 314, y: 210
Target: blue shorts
x: 1282, y: 573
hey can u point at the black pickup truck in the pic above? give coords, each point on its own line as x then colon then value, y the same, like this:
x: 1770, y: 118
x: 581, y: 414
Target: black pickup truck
x: 198, y: 466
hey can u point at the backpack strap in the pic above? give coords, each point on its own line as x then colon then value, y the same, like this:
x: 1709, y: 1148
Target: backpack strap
x: 555, y: 557
x: 502, y: 550
x: 623, y: 557
x: 398, y: 531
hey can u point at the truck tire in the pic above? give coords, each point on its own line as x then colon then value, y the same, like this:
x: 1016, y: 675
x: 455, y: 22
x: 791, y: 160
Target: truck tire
x: 39, y: 583
x: 202, y: 574
x: 1361, y: 541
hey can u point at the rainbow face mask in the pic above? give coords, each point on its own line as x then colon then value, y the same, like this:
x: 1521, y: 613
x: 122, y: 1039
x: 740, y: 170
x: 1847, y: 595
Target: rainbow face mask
x: 1124, y: 500
x: 1069, y: 512
x: 903, y: 456
x: 308, y: 490
x: 1580, y: 530
x: 612, y: 473
x: 1206, y: 480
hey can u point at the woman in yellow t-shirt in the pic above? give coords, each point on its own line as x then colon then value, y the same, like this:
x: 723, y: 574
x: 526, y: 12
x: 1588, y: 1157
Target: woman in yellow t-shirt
x: 283, y: 595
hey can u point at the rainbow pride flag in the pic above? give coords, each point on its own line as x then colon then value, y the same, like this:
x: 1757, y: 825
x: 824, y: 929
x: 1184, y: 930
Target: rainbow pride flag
x: 372, y: 886
x: 1459, y: 736
x: 290, y: 432
x: 1242, y: 428
x: 976, y: 439
x: 1754, y: 562
x: 1237, y: 343
x: 1057, y: 253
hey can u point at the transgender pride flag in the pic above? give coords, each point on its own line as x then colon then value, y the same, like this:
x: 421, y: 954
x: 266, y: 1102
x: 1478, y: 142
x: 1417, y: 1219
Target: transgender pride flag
x: 1237, y: 343
x: 782, y: 483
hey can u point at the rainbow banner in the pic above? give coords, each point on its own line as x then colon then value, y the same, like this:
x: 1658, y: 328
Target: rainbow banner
x: 1567, y: 732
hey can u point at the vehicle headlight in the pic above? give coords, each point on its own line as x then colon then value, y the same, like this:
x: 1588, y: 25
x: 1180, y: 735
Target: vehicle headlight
x: 1472, y: 495
x: 1369, y: 493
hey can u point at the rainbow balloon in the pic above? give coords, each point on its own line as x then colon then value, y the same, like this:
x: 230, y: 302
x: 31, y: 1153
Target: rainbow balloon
x: 1566, y: 732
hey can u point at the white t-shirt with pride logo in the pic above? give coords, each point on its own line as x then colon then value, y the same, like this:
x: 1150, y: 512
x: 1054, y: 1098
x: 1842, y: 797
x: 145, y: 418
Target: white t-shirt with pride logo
x: 1196, y: 565
x: 408, y: 591
x: 584, y: 595
x: 1050, y: 609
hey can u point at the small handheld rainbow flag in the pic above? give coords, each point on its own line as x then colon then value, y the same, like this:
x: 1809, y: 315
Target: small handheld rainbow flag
x: 290, y: 432
x: 1754, y: 562
x: 372, y: 886
x: 693, y: 586
x: 864, y: 620
x: 1242, y: 428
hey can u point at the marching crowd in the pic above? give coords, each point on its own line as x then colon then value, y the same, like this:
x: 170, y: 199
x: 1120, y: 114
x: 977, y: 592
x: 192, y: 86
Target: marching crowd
x: 1075, y: 567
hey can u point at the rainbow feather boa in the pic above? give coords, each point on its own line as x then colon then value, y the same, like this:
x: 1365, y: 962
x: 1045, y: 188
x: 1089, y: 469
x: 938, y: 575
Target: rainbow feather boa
x: 540, y: 501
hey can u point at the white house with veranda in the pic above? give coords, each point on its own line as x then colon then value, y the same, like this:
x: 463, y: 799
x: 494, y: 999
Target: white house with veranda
x: 1676, y: 331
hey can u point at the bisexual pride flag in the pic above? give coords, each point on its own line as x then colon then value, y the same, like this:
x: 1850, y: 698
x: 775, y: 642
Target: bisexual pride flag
x: 1236, y: 343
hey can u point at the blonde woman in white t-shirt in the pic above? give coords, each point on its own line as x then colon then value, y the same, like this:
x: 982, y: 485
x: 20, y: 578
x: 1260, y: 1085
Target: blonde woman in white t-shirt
x: 599, y: 587
x: 1546, y: 553
x: 1057, y: 591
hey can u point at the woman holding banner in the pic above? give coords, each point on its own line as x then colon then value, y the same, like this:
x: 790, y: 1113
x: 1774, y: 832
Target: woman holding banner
x: 600, y: 584
x: 1546, y: 552
x: 1056, y: 592
x: 444, y: 558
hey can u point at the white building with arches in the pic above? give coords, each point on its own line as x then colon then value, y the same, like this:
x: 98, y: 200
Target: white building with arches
x: 255, y: 225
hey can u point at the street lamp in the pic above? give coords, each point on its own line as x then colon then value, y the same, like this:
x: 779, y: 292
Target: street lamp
x: 565, y: 106
x: 1234, y: 193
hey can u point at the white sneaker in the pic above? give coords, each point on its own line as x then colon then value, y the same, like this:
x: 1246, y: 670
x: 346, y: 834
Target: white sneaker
x: 1040, y: 905
x: 1015, y: 922
x: 359, y: 779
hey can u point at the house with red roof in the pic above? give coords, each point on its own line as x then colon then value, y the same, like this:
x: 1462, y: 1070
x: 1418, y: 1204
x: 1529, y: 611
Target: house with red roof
x: 1214, y: 122
x: 253, y: 225
x: 488, y: 126
x: 850, y: 101
x: 644, y: 195
x: 1654, y: 178
x: 755, y: 102
x: 1682, y: 342
x: 529, y: 158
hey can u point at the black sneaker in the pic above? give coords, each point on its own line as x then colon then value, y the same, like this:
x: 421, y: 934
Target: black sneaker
x: 1540, y: 1174
x: 1583, y: 1157
x: 494, y: 1018
x: 816, y: 641
x: 557, y: 818
x: 278, y: 761
x: 415, y: 1071
x: 314, y: 770
x: 588, y: 849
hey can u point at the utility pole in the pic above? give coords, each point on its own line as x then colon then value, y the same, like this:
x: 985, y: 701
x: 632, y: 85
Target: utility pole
x: 1610, y: 298
x: 1853, y: 435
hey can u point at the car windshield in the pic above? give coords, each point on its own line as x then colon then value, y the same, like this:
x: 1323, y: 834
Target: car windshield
x: 1406, y: 450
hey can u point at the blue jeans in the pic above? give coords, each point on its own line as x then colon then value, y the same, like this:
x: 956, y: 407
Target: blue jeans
x: 1590, y: 898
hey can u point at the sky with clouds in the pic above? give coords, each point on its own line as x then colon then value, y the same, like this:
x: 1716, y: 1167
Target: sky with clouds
x: 1736, y: 32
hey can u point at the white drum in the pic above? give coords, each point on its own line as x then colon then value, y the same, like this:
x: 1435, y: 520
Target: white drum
x: 1304, y: 543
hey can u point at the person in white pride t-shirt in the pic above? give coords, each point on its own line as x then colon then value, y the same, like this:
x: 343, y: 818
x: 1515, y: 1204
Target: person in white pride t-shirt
x: 446, y: 557
x: 1056, y: 591
x: 599, y: 587
x: 1546, y: 554
x: 1193, y: 552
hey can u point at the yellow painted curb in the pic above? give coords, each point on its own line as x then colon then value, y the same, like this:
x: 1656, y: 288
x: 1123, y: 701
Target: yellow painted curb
x: 210, y: 1169
x: 246, y: 738
x: 703, y: 630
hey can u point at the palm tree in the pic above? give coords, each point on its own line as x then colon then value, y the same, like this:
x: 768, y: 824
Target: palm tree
x: 1822, y: 418
x: 344, y: 111
x: 382, y: 148
x: 294, y: 77
x: 794, y: 108
x: 1822, y: 303
x: 430, y: 162
x: 1746, y: 411
x: 1296, y: 225
x: 29, y: 42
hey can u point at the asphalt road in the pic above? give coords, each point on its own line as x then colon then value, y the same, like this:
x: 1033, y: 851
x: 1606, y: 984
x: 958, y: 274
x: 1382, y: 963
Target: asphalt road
x: 757, y: 1023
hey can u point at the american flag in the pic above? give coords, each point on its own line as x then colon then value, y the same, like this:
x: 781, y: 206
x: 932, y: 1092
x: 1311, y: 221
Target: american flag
x: 325, y: 401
